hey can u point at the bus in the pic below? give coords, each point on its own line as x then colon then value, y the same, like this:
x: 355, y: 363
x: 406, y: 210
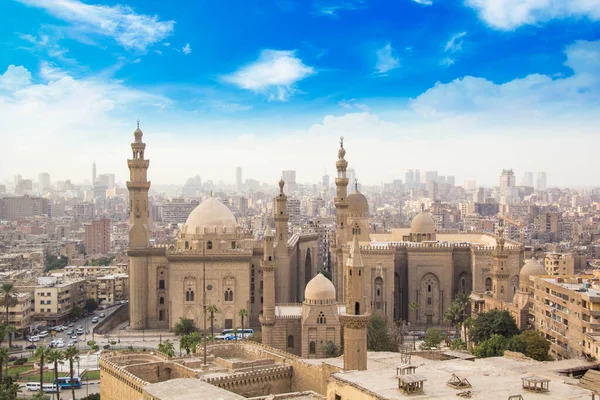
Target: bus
x: 65, y: 382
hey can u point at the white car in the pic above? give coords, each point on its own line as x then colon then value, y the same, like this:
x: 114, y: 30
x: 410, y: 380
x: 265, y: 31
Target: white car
x: 60, y: 345
x: 43, y: 334
x: 34, y: 338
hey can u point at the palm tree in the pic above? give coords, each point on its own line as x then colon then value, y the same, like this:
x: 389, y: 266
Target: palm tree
x: 10, y: 329
x: 3, y: 330
x: 3, y: 360
x: 167, y: 348
x: 243, y: 313
x: 212, y: 309
x: 413, y: 305
x: 463, y: 300
x: 8, y: 298
x: 71, y: 355
x: 42, y: 352
x: 55, y: 357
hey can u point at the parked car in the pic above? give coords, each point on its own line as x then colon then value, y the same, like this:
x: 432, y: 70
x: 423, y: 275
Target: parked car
x: 102, y: 315
x: 30, y: 347
x: 44, y: 334
x: 34, y: 338
x: 60, y: 345
x: 95, y: 320
x: 70, y: 332
x: 74, y: 337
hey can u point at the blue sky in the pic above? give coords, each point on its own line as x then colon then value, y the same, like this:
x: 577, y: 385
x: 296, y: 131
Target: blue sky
x: 464, y: 87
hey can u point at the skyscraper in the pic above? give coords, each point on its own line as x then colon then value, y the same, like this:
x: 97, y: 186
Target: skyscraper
x: 417, y: 177
x: 431, y: 176
x: 409, y: 178
x: 238, y: 179
x: 351, y: 173
x: 94, y: 173
x: 44, y: 181
x: 507, y: 186
x: 527, y: 179
x: 541, y: 181
x: 326, y: 180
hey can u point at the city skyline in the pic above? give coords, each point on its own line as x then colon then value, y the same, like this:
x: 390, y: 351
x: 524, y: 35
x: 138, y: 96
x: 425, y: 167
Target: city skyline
x: 470, y: 95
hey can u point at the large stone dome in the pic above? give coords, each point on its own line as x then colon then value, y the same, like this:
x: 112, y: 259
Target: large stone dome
x: 532, y: 267
x: 211, y: 216
x: 319, y: 290
x: 358, y: 204
x: 422, y: 223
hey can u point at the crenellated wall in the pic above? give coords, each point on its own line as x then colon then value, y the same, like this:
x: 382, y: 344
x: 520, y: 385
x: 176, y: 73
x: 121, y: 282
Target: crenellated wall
x: 256, y: 383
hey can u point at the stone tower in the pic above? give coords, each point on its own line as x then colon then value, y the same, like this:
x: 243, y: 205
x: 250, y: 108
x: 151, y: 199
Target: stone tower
x: 267, y: 319
x: 500, y: 271
x: 284, y: 287
x: 138, y: 186
x: 356, y: 318
x: 341, y: 217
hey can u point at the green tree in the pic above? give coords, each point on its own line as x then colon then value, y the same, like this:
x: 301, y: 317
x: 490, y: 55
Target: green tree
x: 331, y: 350
x: 91, y: 305
x: 185, y: 327
x: 9, y: 297
x: 378, y: 338
x: 41, y: 353
x: 534, y: 345
x: 53, y: 262
x: 167, y: 348
x: 3, y: 332
x: 71, y: 356
x: 55, y: 357
x: 243, y: 313
x: 492, y: 347
x: 458, y: 344
x: 76, y: 311
x: 212, y: 309
x: 433, y: 338
x: 93, y: 345
x: 190, y: 341
x: 493, y: 322
x: 9, y: 389
x: 4, y: 355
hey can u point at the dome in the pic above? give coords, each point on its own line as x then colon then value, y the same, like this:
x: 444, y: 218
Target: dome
x: 532, y: 267
x: 422, y: 223
x: 319, y: 288
x: 358, y: 204
x: 211, y: 214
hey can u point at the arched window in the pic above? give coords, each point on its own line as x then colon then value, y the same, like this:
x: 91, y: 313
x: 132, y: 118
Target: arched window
x: 290, y: 341
x: 187, y: 244
x: 209, y: 245
x: 321, y: 318
x: 161, y: 300
x: 312, y: 348
x: 488, y: 284
x: 357, y: 308
x: 228, y: 295
x: 189, y: 295
x: 428, y: 288
x: 501, y: 289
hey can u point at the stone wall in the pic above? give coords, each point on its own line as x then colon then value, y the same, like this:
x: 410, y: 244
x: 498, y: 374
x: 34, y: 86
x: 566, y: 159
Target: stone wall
x: 120, y: 315
x: 117, y: 384
x: 348, y: 391
x: 256, y: 383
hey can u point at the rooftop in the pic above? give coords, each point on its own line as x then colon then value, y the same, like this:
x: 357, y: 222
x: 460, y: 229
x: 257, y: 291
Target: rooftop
x: 188, y: 389
x: 580, y: 284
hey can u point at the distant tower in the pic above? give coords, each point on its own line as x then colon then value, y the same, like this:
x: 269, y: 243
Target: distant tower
x: 341, y: 217
x: 267, y: 319
x: 238, y: 179
x: 138, y: 186
x: 284, y: 287
x: 94, y: 173
x: 326, y: 180
x: 500, y: 270
x: 356, y: 318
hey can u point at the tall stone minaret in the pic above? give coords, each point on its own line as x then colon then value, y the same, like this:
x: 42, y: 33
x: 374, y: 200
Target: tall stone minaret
x: 267, y: 318
x: 341, y: 217
x: 138, y: 186
x: 356, y: 318
x: 284, y: 292
x: 500, y: 271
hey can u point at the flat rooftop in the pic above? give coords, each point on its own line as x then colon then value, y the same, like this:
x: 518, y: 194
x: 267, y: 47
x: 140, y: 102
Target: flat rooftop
x: 575, y: 286
x: 189, y: 389
x: 491, y: 378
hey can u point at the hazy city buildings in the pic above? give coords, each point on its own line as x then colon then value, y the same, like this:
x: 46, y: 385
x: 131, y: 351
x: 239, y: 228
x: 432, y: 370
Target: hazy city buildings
x: 97, y: 237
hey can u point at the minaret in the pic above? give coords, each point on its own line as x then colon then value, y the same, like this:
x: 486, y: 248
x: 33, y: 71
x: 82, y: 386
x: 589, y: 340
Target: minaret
x: 267, y: 318
x: 356, y: 318
x: 500, y: 269
x: 285, y: 292
x: 341, y: 217
x: 138, y: 186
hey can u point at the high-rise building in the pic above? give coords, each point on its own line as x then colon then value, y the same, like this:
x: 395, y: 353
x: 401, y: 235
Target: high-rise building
x: 289, y: 176
x: 94, y: 173
x: 193, y: 187
x: 527, y: 179
x: 450, y: 180
x: 44, y: 181
x: 432, y: 189
x: 417, y: 177
x: 541, y: 181
x: 351, y: 173
x: 479, y: 195
x: 238, y: 179
x: 470, y: 184
x: 409, y: 178
x: 177, y: 210
x: 508, y: 189
x: 106, y: 180
x: 431, y: 176
x: 13, y: 208
x: 97, y: 237
x: 326, y: 180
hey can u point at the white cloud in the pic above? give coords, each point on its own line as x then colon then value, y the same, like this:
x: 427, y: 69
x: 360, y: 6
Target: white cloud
x: 187, y: 49
x: 455, y: 43
x: 14, y: 78
x: 424, y: 2
x: 386, y: 59
x: 136, y: 61
x: 447, y: 62
x: 353, y: 104
x: 122, y: 23
x: 50, y: 72
x: 274, y: 73
x: 511, y: 14
x: 331, y: 8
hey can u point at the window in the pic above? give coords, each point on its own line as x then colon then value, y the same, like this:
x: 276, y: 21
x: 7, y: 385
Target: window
x: 209, y: 245
x: 312, y: 348
x: 428, y: 288
x: 429, y: 301
x: 189, y: 295
x: 228, y: 295
x: 161, y: 284
x: 233, y: 245
x: 357, y: 308
x: 321, y: 318
x: 161, y: 301
x: 290, y: 341
x: 161, y: 315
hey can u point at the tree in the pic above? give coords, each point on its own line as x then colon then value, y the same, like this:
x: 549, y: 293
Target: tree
x: 190, y: 341
x: 414, y: 306
x: 185, y: 327
x: 212, y: 309
x: 4, y: 355
x: 492, y: 347
x: 493, y: 322
x: 167, y: 348
x: 3, y: 331
x: 9, y: 389
x: 378, y: 338
x: 532, y: 344
x: 93, y: 345
x: 55, y: 357
x: 42, y: 352
x: 433, y: 338
x: 242, y: 314
x: 76, y: 311
x: 9, y: 297
x: 331, y: 350
x: 71, y: 356
x: 91, y: 305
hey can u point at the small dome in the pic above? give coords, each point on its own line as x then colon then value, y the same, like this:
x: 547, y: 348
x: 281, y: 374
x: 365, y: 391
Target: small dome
x: 422, y: 223
x: 532, y: 267
x: 281, y: 185
x: 357, y: 204
x: 341, y: 153
x: 319, y: 288
x: 211, y: 214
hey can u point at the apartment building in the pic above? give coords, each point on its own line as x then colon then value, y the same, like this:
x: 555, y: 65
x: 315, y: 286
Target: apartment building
x: 559, y: 264
x: 54, y: 299
x: 97, y: 237
x: 20, y: 314
x: 567, y: 312
x: 92, y: 270
x: 108, y: 289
